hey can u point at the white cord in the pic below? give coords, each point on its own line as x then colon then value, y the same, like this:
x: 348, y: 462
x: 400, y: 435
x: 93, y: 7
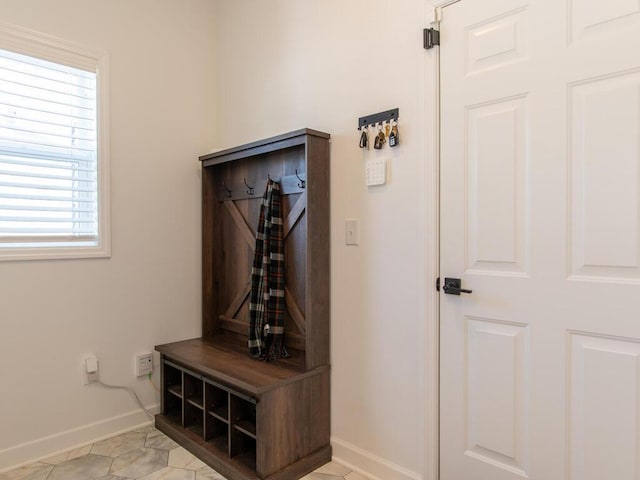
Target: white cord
x: 154, y: 385
x: 131, y: 392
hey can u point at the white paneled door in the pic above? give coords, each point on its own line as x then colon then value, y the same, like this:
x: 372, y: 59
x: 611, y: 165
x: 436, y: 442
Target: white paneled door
x: 540, y: 218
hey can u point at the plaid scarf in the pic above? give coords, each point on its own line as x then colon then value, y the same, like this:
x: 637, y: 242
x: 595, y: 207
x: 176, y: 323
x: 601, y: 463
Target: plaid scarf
x: 266, y: 304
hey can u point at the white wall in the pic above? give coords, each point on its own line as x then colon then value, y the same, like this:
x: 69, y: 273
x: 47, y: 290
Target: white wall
x: 52, y: 313
x: 281, y: 65
x: 288, y: 64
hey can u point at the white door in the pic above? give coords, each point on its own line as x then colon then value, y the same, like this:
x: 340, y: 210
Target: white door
x: 540, y: 218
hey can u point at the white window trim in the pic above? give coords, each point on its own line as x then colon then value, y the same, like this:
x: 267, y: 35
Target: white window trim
x: 46, y: 47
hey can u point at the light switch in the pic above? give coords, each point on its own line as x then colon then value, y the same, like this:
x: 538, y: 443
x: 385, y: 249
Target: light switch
x: 351, y: 232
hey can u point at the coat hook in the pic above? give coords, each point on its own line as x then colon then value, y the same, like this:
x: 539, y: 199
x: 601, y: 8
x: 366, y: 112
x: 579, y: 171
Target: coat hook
x: 302, y: 183
x: 269, y: 176
x: 249, y: 188
x: 228, y: 190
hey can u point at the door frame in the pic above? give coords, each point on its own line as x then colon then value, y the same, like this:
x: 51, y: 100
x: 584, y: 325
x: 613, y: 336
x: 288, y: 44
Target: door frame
x: 432, y: 184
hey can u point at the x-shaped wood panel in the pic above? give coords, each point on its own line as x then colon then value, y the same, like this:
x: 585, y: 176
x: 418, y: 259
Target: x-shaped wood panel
x: 290, y: 222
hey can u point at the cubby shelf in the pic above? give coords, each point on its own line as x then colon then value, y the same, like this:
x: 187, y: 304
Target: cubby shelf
x: 175, y: 390
x: 214, y: 429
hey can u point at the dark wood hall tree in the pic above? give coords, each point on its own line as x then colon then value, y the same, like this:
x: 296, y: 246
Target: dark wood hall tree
x: 246, y: 418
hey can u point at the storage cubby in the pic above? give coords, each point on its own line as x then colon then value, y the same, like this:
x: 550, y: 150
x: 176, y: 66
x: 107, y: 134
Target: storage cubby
x: 172, y: 379
x: 217, y: 402
x: 250, y: 419
x: 172, y: 392
x: 243, y: 450
x: 218, y: 434
x: 243, y: 416
x: 193, y: 419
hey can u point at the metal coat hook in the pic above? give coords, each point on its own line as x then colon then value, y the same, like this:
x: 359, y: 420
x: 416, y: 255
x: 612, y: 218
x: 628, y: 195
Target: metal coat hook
x: 249, y: 187
x: 228, y: 190
x: 302, y: 183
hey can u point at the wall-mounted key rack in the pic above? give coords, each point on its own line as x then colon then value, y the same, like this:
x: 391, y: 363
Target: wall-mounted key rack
x: 381, y: 117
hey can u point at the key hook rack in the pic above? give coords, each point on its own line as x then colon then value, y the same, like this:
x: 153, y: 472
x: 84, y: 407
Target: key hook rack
x: 378, y: 118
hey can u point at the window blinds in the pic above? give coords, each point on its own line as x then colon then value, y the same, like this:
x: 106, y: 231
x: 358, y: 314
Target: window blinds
x: 48, y: 153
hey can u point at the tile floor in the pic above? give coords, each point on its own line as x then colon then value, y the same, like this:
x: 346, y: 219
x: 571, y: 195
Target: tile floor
x: 143, y: 454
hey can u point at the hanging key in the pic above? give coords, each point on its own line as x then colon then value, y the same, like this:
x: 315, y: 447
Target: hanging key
x: 387, y: 129
x: 380, y: 139
x: 364, y: 137
x: 394, y: 139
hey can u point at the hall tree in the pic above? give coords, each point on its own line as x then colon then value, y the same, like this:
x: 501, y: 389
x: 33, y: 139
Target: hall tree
x: 245, y: 416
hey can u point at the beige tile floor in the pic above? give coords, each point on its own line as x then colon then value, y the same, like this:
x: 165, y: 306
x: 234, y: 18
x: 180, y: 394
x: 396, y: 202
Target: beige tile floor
x: 142, y: 454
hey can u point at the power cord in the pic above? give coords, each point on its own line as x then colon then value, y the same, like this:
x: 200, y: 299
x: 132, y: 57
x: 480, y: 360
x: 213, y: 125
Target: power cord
x: 151, y: 381
x: 133, y: 394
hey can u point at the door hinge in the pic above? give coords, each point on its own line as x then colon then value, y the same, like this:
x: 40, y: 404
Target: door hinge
x: 431, y: 38
x: 438, y: 284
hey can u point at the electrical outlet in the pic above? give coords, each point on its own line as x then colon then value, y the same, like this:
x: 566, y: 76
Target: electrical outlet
x: 144, y: 364
x: 90, y: 370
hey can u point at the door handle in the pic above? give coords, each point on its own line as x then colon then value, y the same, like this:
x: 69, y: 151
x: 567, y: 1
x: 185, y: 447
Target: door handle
x: 452, y: 286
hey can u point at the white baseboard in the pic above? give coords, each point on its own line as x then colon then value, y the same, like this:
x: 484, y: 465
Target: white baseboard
x: 368, y: 464
x: 45, y: 447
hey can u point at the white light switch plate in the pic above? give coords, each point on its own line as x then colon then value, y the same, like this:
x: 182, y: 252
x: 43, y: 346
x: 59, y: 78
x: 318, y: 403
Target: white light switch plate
x: 351, y: 236
x: 376, y: 171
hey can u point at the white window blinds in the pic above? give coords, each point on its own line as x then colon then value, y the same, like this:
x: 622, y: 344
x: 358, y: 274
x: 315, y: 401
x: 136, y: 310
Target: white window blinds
x: 48, y: 154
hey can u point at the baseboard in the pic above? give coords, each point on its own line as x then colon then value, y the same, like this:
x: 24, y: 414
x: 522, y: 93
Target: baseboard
x: 368, y: 464
x: 45, y: 447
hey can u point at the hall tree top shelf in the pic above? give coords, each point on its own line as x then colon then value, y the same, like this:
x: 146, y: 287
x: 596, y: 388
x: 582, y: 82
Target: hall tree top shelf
x: 246, y: 418
x: 297, y: 137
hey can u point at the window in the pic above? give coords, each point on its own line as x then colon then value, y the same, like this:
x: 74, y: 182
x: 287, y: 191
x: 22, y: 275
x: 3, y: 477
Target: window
x: 53, y: 160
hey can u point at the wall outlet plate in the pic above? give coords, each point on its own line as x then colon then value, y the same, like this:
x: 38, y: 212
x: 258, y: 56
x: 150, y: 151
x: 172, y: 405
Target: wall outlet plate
x: 144, y: 364
x: 90, y: 370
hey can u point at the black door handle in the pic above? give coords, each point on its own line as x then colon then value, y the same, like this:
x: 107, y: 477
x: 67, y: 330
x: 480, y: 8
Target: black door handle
x: 452, y: 286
